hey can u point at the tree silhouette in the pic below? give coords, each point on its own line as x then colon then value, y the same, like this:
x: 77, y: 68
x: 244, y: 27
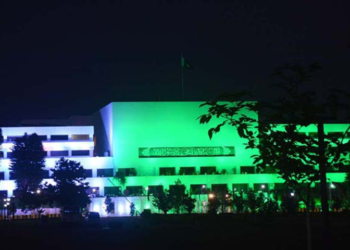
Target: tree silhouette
x: 300, y: 159
x: 70, y: 188
x: 27, y: 166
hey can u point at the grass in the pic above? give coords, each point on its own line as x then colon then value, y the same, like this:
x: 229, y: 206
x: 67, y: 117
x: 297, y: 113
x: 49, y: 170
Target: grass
x: 175, y: 232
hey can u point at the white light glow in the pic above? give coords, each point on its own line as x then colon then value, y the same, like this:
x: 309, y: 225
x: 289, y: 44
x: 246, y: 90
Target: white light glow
x: 120, y: 209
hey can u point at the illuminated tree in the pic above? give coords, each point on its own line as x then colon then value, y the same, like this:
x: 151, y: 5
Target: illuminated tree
x: 132, y: 209
x: 27, y: 166
x: 120, y: 176
x: 70, y: 188
x: 300, y: 159
x: 109, y: 205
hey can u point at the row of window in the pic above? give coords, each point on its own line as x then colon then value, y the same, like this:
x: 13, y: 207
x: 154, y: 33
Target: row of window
x: 203, y: 170
x: 243, y: 170
x: 75, y: 137
x: 103, y: 172
x: 280, y: 189
x: 56, y: 153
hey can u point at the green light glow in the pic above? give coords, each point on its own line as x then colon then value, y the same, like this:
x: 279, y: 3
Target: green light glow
x: 148, y: 136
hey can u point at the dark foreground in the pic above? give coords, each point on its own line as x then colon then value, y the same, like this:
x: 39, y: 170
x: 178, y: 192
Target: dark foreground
x: 175, y: 232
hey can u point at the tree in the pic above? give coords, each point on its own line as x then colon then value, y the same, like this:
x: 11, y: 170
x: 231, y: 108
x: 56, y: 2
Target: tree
x: 224, y: 198
x: 213, y: 204
x: 27, y: 165
x: 238, y: 202
x: 300, y: 159
x: 70, y: 188
x: 177, y: 194
x: 109, y: 205
x: 163, y: 201
x: 189, y: 203
x: 254, y: 202
x: 132, y: 209
x: 120, y: 177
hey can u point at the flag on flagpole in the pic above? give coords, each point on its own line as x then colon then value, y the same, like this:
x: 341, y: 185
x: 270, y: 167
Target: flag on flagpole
x: 185, y: 64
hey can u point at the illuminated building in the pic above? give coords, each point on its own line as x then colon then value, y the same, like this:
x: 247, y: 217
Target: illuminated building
x: 154, y: 143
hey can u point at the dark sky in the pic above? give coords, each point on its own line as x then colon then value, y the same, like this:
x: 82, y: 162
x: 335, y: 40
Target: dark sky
x: 59, y: 58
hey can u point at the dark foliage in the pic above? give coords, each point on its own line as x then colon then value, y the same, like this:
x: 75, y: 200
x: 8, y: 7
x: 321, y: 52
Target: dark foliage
x: 70, y: 189
x: 27, y: 165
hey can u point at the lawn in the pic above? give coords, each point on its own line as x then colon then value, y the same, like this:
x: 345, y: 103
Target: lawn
x: 175, y: 232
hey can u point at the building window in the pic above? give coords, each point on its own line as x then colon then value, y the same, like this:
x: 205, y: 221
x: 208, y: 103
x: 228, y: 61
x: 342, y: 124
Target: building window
x: 2, y: 176
x: 187, y: 171
x: 59, y: 137
x: 154, y: 190
x: 240, y: 187
x: 198, y: 189
x: 93, y: 191
x: 43, y: 137
x: 105, y: 172
x: 80, y: 137
x: 261, y: 187
x: 59, y: 153
x: 112, y: 191
x: 133, y: 191
x: 247, y: 170
x: 177, y: 189
x: 3, y: 194
x: 1, y: 154
x: 87, y: 173
x: 128, y: 171
x: 167, y: 171
x: 80, y: 152
x: 9, y: 155
x: 208, y: 170
x: 219, y: 188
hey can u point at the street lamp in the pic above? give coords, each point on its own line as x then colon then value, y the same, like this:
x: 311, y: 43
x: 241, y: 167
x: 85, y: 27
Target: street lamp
x: 332, y: 186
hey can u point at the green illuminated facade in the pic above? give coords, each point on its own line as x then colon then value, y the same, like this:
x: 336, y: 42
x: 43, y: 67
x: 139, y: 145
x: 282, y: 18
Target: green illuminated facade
x: 163, y: 142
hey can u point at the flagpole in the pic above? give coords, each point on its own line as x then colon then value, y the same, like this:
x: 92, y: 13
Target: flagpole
x: 182, y: 77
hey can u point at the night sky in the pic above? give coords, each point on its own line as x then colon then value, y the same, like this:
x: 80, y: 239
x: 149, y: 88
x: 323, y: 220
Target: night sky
x: 60, y: 58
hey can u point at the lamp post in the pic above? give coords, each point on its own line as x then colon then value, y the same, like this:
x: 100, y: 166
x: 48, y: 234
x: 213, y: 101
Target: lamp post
x: 332, y: 186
